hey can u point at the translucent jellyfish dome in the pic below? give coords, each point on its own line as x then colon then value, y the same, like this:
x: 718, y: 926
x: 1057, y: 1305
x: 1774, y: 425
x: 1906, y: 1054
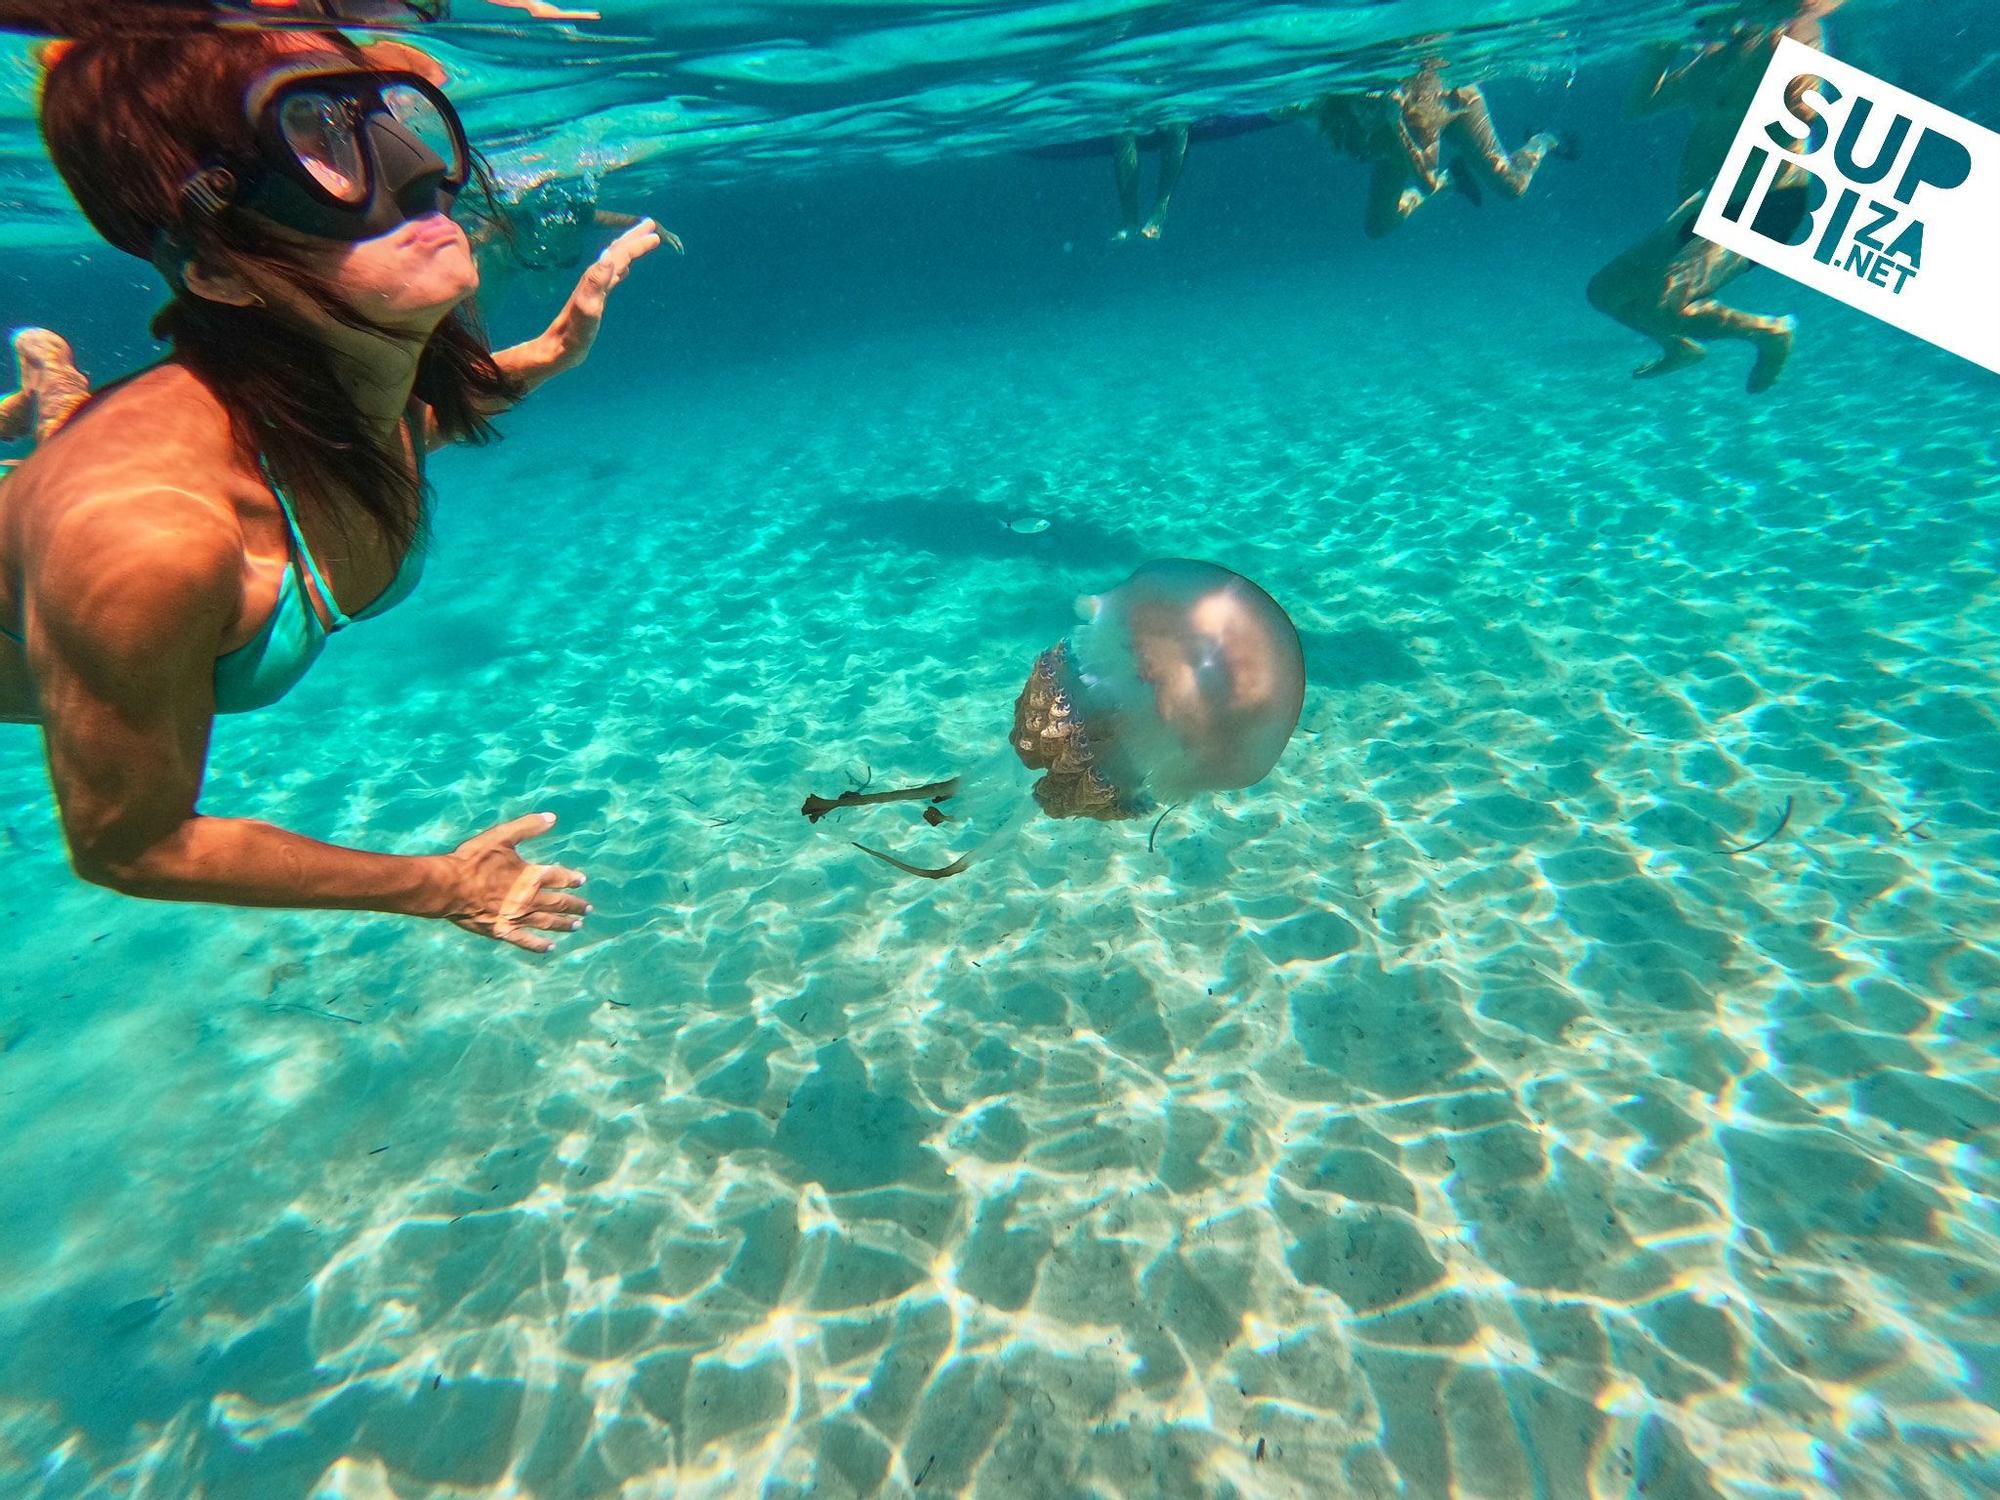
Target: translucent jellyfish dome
x: 1185, y: 678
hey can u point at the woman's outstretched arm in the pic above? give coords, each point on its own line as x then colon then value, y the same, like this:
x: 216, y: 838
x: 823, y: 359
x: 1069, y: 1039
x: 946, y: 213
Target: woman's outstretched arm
x: 128, y: 602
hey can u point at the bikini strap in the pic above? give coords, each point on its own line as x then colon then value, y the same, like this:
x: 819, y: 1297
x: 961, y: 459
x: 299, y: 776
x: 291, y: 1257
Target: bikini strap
x: 302, y: 553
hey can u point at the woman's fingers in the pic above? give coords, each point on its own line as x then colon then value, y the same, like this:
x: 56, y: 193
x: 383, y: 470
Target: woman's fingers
x: 615, y: 263
x: 541, y: 889
x: 513, y: 831
x: 641, y: 240
x: 549, y: 921
x: 512, y: 900
x: 555, y: 901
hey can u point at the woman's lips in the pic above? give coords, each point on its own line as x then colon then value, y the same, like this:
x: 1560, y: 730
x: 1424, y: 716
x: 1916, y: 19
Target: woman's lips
x: 430, y: 231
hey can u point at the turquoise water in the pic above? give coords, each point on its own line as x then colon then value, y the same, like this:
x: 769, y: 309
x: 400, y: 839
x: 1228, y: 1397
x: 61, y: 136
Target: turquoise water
x: 1446, y: 1116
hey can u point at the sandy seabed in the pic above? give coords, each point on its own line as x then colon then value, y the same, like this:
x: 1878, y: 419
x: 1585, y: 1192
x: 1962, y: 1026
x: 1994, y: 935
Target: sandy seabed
x: 1447, y: 1116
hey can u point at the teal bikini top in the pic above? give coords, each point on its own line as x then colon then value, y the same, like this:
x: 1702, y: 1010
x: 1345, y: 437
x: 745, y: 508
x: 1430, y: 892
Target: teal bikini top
x: 262, y: 671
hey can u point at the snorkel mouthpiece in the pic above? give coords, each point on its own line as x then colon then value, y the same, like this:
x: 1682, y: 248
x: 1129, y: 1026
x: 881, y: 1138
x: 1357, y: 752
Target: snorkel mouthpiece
x: 411, y: 176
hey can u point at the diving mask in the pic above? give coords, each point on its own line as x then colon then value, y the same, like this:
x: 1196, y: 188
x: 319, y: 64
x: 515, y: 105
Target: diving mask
x: 344, y: 153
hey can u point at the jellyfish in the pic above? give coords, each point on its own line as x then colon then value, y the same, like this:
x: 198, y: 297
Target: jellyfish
x: 1185, y: 678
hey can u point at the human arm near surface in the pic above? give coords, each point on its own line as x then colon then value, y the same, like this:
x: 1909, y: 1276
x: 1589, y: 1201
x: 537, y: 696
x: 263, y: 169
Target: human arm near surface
x: 128, y: 598
x: 1423, y: 164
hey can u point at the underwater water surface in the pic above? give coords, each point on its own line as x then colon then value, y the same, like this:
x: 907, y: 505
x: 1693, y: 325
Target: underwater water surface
x: 1450, y: 1114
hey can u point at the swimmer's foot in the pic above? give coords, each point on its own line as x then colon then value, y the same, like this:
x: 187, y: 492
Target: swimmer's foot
x: 1152, y: 230
x: 1458, y: 177
x: 1679, y: 355
x: 1123, y: 235
x: 1773, y: 349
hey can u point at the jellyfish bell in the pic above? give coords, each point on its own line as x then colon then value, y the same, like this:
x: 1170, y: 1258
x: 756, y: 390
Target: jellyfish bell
x: 1185, y: 678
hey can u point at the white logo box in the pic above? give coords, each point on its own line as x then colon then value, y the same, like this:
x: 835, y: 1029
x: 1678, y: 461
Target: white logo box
x: 1931, y: 264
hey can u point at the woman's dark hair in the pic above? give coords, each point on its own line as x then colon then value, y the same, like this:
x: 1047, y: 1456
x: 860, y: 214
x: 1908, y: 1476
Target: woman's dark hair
x: 128, y: 120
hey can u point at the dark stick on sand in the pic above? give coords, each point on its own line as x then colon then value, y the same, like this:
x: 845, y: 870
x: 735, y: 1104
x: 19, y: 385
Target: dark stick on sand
x: 1156, y: 826
x: 1785, y: 818
x: 816, y: 808
x: 957, y: 866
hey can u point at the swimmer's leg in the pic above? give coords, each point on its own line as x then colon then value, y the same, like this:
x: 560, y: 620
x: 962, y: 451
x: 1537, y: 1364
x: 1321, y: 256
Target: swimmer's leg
x: 1392, y: 197
x: 1676, y: 354
x: 1649, y: 286
x: 1709, y: 269
x: 1702, y: 270
x: 1125, y: 163
x: 1665, y: 288
x: 1478, y: 145
x: 1173, y: 156
x: 1772, y: 336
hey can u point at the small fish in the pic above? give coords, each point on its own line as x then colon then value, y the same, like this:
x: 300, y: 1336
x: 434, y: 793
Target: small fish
x: 133, y: 1316
x: 1027, y: 525
x: 816, y: 808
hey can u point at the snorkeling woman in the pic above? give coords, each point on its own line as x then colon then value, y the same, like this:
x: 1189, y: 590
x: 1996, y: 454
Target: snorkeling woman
x: 205, y: 524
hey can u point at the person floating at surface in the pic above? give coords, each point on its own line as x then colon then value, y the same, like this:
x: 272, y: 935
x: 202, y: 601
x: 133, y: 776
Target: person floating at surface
x: 1171, y: 142
x: 223, y: 512
x: 1404, y: 133
x: 550, y: 224
x: 1666, y: 286
x: 51, y: 388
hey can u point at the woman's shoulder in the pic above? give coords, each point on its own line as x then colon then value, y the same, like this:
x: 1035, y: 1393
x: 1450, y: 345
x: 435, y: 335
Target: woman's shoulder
x: 164, y: 408
x: 153, y: 455
x: 160, y: 429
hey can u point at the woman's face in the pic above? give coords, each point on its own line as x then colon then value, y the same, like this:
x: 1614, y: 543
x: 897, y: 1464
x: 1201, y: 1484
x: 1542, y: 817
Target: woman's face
x: 408, y: 279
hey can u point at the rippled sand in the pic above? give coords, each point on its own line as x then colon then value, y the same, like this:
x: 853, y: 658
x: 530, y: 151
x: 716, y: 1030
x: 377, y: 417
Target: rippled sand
x: 1450, y: 1115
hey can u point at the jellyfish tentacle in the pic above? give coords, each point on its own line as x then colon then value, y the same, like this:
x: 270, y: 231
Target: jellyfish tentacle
x: 1048, y: 735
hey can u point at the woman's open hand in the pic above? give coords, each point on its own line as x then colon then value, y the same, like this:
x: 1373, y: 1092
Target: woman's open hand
x: 576, y: 329
x: 497, y: 894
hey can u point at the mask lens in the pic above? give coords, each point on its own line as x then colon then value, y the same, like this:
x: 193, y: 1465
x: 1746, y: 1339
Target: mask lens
x: 418, y: 113
x: 319, y: 131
